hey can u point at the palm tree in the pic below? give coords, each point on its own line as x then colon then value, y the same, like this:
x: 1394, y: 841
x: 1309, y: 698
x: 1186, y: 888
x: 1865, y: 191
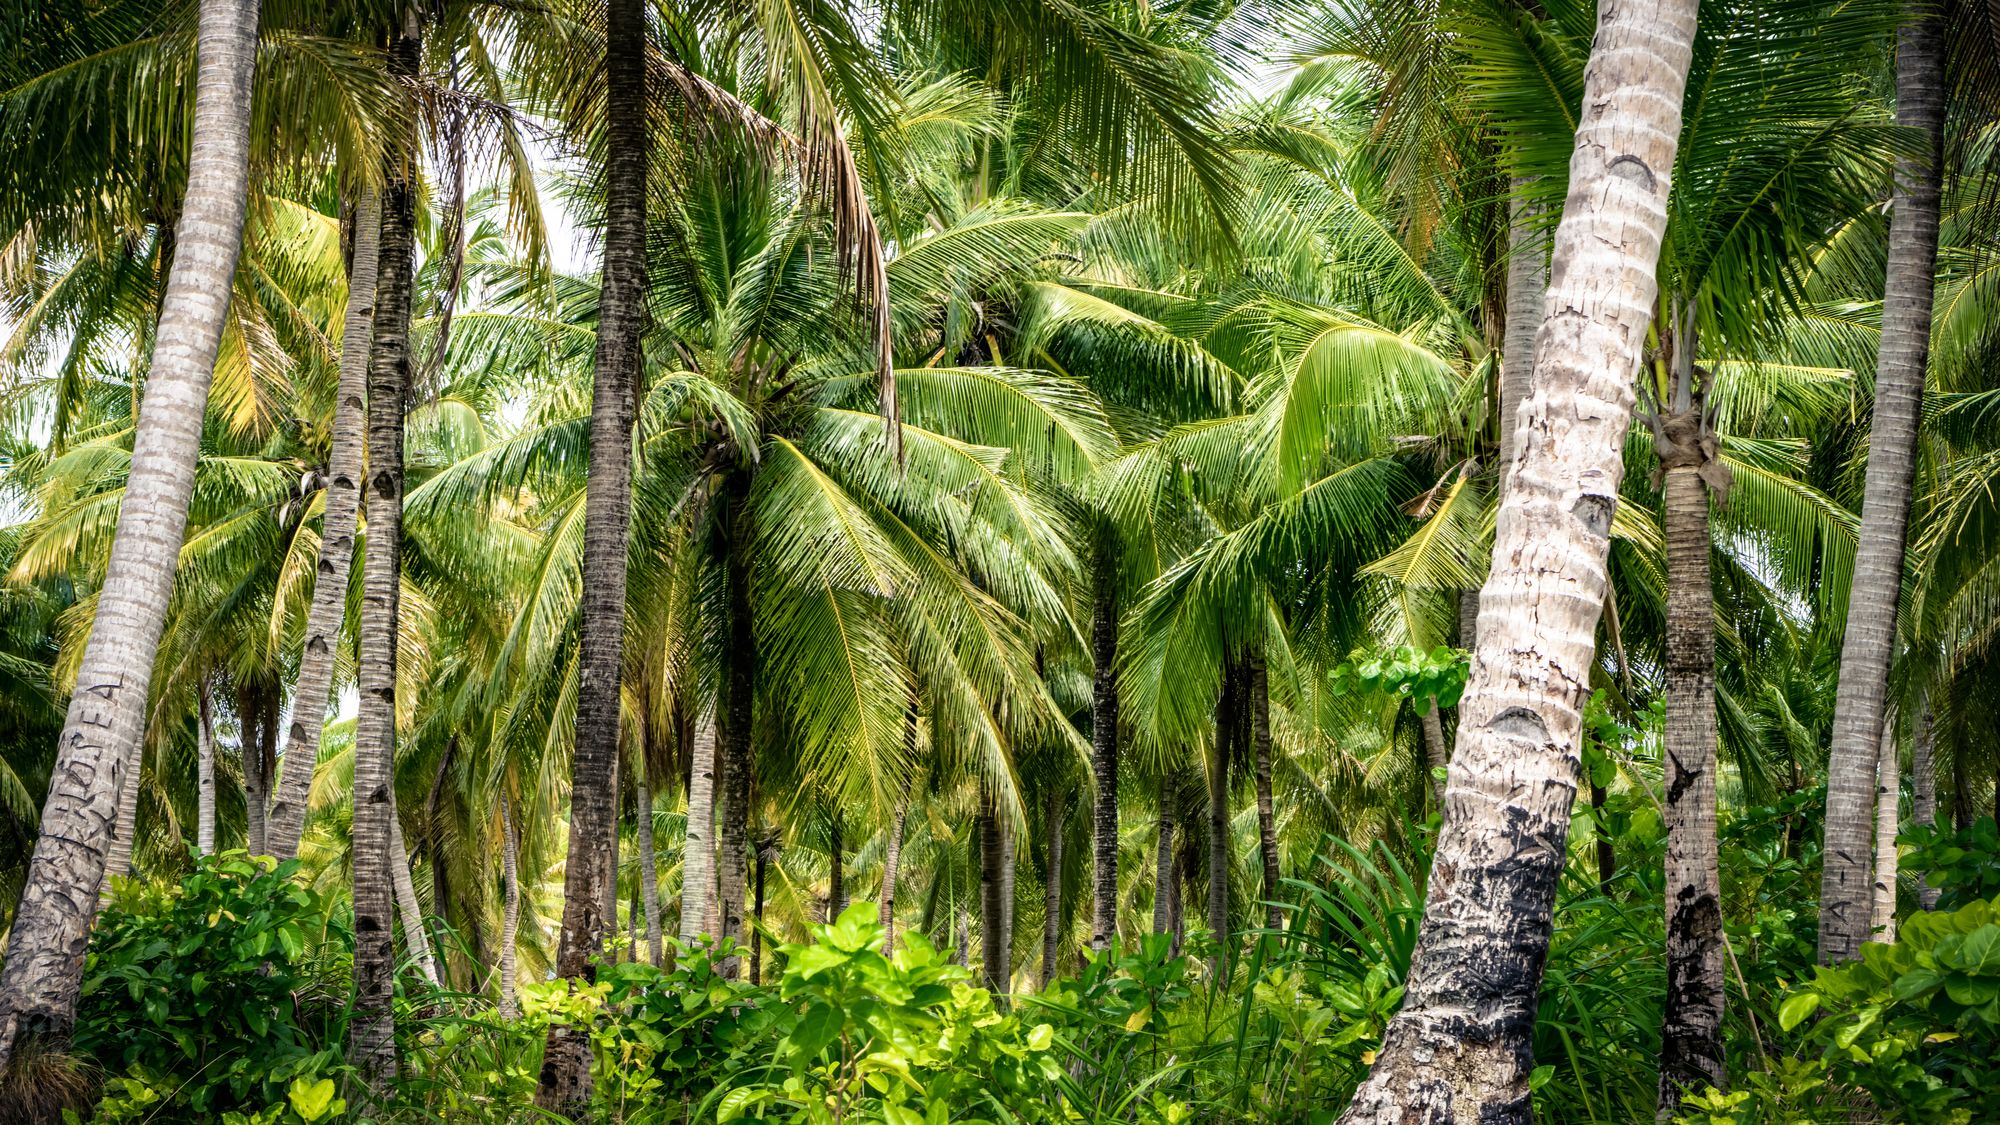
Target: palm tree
x: 1845, y: 886
x: 607, y: 527
x: 1449, y: 1054
x: 38, y: 986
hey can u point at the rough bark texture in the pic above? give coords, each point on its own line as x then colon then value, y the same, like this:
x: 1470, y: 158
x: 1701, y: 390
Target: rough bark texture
x: 336, y: 546
x: 204, y: 817
x: 1437, y: 755
x: 1104, y: 750
x: 1267, y: 822
x: 649, y: 873
x: 992, y: 921
x: 1007, y: 868
x: 1527, y: 283
x: 118, y: 860
x: 1460, y: 1050
x: 510, y: 914
x: 892, y: 861
x: 1165, y: 886
x: 1892, y: 449
x: 1691, y: 1031
x: 1923, y: 789
x: 1227, y: 720
x: 607, y: 524
x: 757, y: 913
x: 1888, y: 799
x: 371, y: 1038
x: 258, y: 764
x: 698, y: 849
x: 416, y: 939
x: 1052, y: 823
x: 836, y: 881
x: 740, y: 694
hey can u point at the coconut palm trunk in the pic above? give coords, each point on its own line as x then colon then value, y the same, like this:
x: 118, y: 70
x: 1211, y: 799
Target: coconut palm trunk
x: 1888, y: 799
x: 1845, y: 893
x: 992, y: 911
x: 1437, y: 755
x: 416, y: 939
x: 257, y: 759
x: 286, y: 822
x: 1104, y: 746
x: 1221, y: 750
x: 1527, y: 282
x: 587, y: 884
x: 1267, y: 823
x: 836, y: 878
x: 371, y: 1030
x: 739, y: 703
x: 1691, y: 1030
x: 510, y: 914
x: 1461, y: 1047
x: 649, y: 870
x: 892, y: 861
x: 1165, y: 885
x: 1053, y: 816
x: 107, y: 710
x: 204, y: 817
x: 1923, y: 789
x: 698, y: 847
x: 118, y: 861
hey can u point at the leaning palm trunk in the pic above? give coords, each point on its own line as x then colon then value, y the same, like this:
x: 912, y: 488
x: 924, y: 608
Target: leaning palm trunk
x: 371, y: 1031
x: 1888, y: 795
x: 1527, y: 282
x: 204, y: 817
x: 649, y: 870
x: 1267, y: 824
x: 107, y: 711
x: 1844, y: 907
x: 1461, y: 1047
x: 1052, y: 900
x: 1691, y: 1031
x: 589, y: 889
x: 118, y: 860
x: 1104, y: 749
x: 416, y: 939
x: 286, y: 821
x: 510, y: 914
x: 698, y: 848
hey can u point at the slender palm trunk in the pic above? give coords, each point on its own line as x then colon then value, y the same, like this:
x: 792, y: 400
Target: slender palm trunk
x: 416, y: 938
x: 344, y: 466
x: 255, y: 790
x: 992, y: 920
x: 1878, y: 556
x: 1007, y: 872
x: 1165, y: 885
x: 1461, y: 1047
x: 1267, y: 823
x: 371, y: 1030
x: 740, y: 692
x: 1053, y: 816
x: 649, y: 871
x: 1437, y: 756
x: 757, y: 931
x: 1691, y: 1033
x: 118, y: 860
x: 204, y: 817
x: 608, y: 866
x: 1104, y: 747
x: 1222, y: 750
x: 565, y: 1077
x: 892, y: 860
x: 1923, y: 790
x: 1527, y: 283
x: 510, y: 914
x: 698, y: 849
x: 836, y: 878
x: 1888, y: 799
x: 107, y: 711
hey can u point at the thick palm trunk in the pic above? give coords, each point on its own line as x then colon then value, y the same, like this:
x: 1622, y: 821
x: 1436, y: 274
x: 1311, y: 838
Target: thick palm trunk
x: 698, y: 848
x: 649, y: 872
x: 1844, y: 906
x: 1052, y: 900
x: 1691, y: 1032
x: 1165, y: 886
x: 1888, y: 798
x: 739, y: 701
x: 204, y: 817
x: 1104, y: 749
x: 107, y: 711
x: 371, y: 1030
x: 892, y: 861
x: 336, y: 548
x: 510, y: 914
x: 992, y: 920
x: 1461, y: 1047
x: 1267, y: 823
x: 1923, y: 790
x: 565, y: 1078
x: 416, y: 939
